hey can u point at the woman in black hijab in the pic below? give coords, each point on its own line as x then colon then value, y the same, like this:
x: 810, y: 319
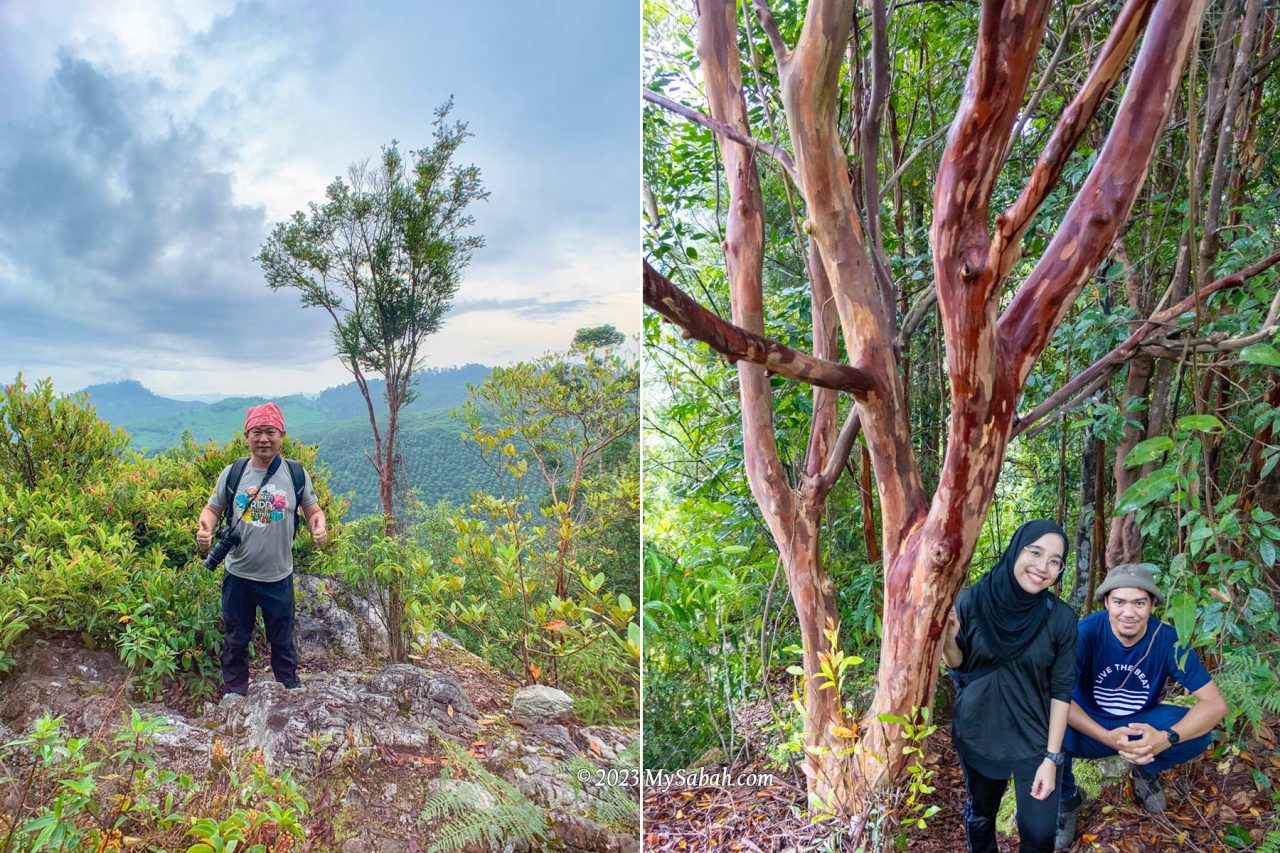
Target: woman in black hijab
x: 1011, y: 646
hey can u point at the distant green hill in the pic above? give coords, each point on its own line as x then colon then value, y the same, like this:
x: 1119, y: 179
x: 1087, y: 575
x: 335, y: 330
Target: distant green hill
x: 438, y: 464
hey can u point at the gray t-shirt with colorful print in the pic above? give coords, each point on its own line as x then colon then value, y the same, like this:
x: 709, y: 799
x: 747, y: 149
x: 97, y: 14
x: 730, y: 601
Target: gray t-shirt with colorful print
x: 265, y: 521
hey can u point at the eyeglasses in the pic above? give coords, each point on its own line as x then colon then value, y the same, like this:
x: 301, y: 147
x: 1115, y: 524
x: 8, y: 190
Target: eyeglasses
x: 1054, y: 564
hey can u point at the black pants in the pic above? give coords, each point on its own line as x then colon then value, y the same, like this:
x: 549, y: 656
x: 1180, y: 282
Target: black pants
x: 241, y: 599
x: 1037, y: 819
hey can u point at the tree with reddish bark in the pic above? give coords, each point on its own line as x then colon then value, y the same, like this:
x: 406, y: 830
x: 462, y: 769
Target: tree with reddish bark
x: 927, y: 538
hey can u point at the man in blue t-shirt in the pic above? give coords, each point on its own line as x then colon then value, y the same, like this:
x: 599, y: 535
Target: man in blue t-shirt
x: 1124, y: 656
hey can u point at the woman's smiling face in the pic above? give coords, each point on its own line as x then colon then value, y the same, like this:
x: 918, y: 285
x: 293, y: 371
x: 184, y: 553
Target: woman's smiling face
x: 1039, y: 564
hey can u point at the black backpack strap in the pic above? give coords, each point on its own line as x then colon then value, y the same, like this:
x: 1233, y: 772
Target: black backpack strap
x: 233, y: 483
x: 299, y: 483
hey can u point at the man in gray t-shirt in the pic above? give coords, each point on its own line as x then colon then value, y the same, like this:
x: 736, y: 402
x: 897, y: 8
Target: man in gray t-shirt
x: 258, y: 573
x: 264, y: 517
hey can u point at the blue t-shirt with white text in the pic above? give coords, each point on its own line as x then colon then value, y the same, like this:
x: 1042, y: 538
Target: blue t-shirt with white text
x: 1115, y: 681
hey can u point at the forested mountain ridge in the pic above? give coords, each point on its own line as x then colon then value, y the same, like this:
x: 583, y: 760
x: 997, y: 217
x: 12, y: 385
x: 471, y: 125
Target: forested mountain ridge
x: 336, y: 421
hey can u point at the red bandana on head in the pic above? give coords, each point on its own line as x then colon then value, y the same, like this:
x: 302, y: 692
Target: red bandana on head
x: 268, y: 414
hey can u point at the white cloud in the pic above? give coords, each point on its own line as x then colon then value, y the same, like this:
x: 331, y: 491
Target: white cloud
x: 150, y: 144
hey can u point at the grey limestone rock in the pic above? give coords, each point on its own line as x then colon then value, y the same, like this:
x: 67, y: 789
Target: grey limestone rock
x: 400, y: 706
x: 540, y: 704
x: 373, y: 633
x: 535, y: 761
x: 321, y: 627
x: 605, y: 741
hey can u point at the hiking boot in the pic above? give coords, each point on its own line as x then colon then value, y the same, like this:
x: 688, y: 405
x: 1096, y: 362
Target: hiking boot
x: 1148, y: 791
x: 1068, y: 811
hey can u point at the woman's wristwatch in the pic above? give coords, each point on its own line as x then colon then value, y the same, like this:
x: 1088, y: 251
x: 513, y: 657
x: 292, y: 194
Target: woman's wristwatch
x: 1056, y: 757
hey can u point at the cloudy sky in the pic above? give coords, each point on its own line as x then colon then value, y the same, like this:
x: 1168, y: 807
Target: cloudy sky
x: 147, y: 146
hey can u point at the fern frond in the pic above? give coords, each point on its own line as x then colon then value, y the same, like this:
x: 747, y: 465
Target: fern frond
x: 512, y: 815
x: 608, y: 804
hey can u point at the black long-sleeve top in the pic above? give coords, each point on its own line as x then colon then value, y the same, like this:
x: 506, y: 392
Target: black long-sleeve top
x: 1002, y: 718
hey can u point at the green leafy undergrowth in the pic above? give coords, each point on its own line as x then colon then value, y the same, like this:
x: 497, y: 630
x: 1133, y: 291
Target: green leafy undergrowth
x: 100, y: 542
x: 113, y: 793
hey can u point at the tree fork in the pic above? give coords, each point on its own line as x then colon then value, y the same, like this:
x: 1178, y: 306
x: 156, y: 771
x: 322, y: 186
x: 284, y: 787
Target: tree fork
x: 927, y: 544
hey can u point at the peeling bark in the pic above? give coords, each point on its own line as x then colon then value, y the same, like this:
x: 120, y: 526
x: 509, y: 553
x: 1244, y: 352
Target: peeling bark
x: 926, y: 541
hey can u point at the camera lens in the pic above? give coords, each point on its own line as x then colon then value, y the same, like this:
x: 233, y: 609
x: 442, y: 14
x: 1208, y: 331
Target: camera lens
x: 227, y: 539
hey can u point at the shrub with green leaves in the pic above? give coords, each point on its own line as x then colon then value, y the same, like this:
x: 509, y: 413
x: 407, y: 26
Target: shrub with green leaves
x: 44, y: 435
x: 100, y: 542
x: 537, y: 558
x: 370, y: 560
x: 69, y: 793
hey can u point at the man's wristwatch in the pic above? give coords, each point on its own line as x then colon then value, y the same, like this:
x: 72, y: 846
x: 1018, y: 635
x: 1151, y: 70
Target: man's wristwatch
x: 1056, y: 757
x: 1173, y: 736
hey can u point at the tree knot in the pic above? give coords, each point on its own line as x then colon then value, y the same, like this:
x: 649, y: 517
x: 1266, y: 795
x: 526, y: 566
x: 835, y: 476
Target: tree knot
x: 941, y: 555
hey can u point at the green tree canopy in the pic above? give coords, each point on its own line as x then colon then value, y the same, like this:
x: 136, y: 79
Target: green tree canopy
x: 384, y: 256
x: 604, y: 337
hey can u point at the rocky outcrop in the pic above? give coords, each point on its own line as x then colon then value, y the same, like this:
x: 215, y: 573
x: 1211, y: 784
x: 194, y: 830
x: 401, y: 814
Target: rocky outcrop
x: 393, y: 718
x: 539, y: 705
x: 539, y: 761
x: 321, y: 628
x: 398, y: 707
x: 61, y: 676
x: 373, y: 632
x: 332, y: 622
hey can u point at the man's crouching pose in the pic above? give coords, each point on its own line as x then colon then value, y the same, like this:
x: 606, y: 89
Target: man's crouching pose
x: 1124, y: 656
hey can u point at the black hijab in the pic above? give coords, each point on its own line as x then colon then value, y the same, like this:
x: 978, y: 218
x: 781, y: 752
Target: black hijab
x: 1009, y: 617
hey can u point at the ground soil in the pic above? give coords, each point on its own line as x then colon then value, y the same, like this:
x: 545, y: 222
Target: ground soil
x: 1215, y: 804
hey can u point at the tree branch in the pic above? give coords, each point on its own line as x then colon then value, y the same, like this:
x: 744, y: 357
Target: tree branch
x: 777, y: 152
x: 825, y: 481
x: 1102, y: 206
x: 870, y: 138
x: 916, y: 313
x: 1009, y: 36
x: 744, y: 255
x: 826, y: 345
x: 1006, y: 244
x: 1047, y: 76
x: 1131, y: 345
x: 1089, y: 390
x: 780, y: 50
x: 663, y: 296
x: 1265, y: 62
x: 897, y: 174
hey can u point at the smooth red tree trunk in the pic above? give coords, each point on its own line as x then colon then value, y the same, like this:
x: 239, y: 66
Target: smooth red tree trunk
x: 926, y: 540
